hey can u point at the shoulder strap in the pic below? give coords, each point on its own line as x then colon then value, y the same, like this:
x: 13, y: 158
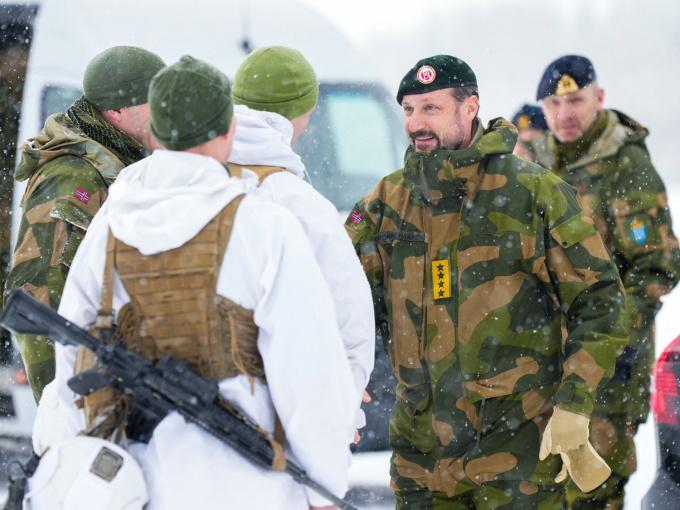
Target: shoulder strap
x: 105, y: 313
x: 262, y: 171
x: 225, y: 226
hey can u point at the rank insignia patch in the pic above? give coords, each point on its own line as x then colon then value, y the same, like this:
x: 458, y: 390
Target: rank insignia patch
x: 426, y: 74
x: 639, y: 231
x: 357, y: 217
x: 441, y: 284
x: 82, y: 195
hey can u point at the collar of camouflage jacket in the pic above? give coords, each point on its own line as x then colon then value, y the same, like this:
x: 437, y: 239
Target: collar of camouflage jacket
x: 61, y: 136
x: 461, y: 168
x: 618, y: 130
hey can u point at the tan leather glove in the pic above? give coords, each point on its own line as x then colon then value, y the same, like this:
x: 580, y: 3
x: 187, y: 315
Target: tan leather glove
x: 567, y: 435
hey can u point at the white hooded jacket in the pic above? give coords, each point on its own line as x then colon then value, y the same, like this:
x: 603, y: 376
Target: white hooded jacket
x: 264, y: 138
x: 159, y: 204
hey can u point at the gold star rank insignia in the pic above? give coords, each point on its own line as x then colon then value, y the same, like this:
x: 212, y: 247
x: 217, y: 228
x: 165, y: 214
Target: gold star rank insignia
x: 440, y: 279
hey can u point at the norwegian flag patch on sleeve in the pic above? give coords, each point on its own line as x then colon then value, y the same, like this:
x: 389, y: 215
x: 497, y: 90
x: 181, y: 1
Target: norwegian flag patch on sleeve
x: 357, y: 217
x: 82, y: 195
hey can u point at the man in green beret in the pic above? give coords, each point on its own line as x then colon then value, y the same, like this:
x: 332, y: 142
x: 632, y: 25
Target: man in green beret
x: 603, y: 154
x: 69, y: 167
x: 476, y: 259
x: 275, y: 90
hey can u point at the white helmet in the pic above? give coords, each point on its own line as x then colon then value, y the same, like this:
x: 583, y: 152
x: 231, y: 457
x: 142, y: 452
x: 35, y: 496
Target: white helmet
x: 86, y: 473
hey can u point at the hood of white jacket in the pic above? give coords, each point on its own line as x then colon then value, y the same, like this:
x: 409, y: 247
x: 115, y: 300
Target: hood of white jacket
x: 263, y: 138
x: 167, y: 198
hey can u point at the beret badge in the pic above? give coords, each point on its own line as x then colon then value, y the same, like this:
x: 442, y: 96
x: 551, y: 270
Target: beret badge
x: 426, y: 74
x: 566, y: 85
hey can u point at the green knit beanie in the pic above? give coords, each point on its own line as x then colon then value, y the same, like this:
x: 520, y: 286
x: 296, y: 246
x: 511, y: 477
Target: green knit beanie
x: 276, y: 79
x: 120, y: 76
x: 190, y: 104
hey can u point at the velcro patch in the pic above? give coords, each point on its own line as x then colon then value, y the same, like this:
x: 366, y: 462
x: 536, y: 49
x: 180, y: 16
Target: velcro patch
x: 82, y: 195
x: 356, y: 217
x: 399, y: 235
x: 441, y: 282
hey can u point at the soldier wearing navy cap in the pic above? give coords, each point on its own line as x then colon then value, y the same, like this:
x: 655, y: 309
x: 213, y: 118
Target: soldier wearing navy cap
x: 530, y: 122
x: 603, y: 154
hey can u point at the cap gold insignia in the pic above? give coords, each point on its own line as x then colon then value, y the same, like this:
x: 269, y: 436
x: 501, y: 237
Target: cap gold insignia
x: 566, y: 85
x: 441, y: 284
x: 426, y: 74
x: 523, y: 122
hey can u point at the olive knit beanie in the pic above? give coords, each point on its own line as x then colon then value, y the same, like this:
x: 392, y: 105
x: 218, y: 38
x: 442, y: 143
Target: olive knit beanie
x: 120, y: 77
x: 276, y: 79
x: 190, y: 104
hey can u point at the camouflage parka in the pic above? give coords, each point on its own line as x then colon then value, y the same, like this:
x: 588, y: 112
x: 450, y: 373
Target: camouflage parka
x: 621, y: 191
x: 68, y: 173
x: 474, y: 256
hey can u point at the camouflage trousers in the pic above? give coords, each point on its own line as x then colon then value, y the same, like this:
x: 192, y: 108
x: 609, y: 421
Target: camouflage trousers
x: 612, y: 436
x: 487, y: 459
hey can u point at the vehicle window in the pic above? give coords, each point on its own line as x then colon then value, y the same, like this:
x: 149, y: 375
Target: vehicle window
x: 57, y: 99
x: 353, y: 140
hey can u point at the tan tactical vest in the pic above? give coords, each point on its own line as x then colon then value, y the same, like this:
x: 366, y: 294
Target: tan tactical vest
x: 174, y: 309
x: 262, y: 172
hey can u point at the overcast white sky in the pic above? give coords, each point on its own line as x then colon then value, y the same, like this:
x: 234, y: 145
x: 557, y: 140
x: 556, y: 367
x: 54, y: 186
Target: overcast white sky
x: 509, y: 43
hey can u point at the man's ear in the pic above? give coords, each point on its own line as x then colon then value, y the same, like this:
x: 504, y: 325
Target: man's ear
x: 600, y: 98
x: 112, y: 116
x: 471, y: 107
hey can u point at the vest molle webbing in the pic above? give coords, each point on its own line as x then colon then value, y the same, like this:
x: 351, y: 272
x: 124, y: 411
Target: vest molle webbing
x: 175, y: 310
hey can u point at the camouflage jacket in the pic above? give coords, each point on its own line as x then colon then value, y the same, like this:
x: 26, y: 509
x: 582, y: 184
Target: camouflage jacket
x: 624, y: 195
x: 472, y: 255
x: 68, y: 178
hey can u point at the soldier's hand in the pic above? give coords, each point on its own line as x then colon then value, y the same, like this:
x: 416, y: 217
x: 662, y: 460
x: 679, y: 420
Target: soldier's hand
x: 567, y: 435
x: 364, y: 398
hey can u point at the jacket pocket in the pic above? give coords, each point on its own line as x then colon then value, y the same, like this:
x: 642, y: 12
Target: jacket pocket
x: 403, y: 255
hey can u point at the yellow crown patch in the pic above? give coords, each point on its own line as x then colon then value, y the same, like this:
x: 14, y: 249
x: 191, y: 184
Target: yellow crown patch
x: 566, y: 85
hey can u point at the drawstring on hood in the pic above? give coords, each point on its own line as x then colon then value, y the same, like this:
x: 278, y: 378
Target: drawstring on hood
x: 263, y: 139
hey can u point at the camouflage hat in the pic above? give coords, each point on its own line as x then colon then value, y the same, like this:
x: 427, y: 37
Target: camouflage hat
x: 566, y: 75
x: 530, y: 117
x: 120, y: 77
x: 190, y: 104
x: 436, y: 73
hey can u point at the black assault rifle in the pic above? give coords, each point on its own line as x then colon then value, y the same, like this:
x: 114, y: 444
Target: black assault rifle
x: 154, y: 389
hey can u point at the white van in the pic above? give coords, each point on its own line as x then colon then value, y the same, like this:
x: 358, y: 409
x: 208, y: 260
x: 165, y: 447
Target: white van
x: 354, y: 137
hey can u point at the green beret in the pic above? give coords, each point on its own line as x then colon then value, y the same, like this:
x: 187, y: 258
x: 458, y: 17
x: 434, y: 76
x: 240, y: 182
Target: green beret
x: 276, y: 79
x: 436, y: 73
x: 120, y: 77
x: 190, y: 104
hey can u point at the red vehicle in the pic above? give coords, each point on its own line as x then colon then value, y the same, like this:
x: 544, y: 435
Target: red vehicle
x: 665, y: 492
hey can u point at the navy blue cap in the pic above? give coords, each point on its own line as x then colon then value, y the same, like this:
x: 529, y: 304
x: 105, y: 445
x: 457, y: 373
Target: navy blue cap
x: 566, y: 75
x: 530, y: 117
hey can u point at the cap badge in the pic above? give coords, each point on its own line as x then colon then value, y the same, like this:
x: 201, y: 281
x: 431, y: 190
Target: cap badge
x: 566, y: 85
x: 523, y: 122
x: 426, y: 74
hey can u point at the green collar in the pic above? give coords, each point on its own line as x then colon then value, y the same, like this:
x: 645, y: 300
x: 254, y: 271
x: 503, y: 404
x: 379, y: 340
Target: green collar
x: 594, y: 146
x: 448, y: 171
